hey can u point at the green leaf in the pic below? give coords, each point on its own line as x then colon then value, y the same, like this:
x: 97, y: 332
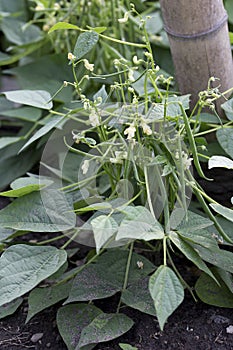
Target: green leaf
x: 86, y: 41
x: 21, y: 191
x: 225, y: 138
x: 19, y: 32
x: 228, y: 108
x: 224, y: 211
x: 13, y: 165
x: 124, y: 346
x: 42, y: 298
x: 42, y: 211
x: 22, y: 267
x: 166, y: 291
x: 10, y: 308
x: 46, y: 73
x: 190, y: 253
x: 5, y: 233
x: 8, y: 140
x: 98, y: 30
x: 212, y: 293
x: 193, y: 222
x: 30, y: 114
x: 229, y: 8
x: 34, y: 98
x: 43, y: 131
x: 30, y: 180
x: 63, y: 26
x: 139, y: 224
x: 215, y: 256
x: 104, y: 228
x: 101, y: 286
x: 71, y: 319
x: 105, y: 327
x: 138, y: 297
x: 107, y: 275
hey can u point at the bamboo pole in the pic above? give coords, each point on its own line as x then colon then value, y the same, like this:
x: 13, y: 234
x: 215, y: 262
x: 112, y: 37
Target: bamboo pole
x: 200, y: 45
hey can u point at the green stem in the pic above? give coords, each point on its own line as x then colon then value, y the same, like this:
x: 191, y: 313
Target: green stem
x: 185, y: 284
x: 126, y: 273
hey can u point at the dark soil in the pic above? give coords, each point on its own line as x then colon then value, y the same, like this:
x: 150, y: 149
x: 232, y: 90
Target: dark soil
x: 193, y: 326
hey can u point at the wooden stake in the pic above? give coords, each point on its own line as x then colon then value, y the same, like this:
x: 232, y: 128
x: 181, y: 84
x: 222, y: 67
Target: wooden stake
x: 200, y: 45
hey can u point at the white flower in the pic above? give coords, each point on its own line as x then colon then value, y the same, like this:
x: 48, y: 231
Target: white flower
x: 130, y: 131
x: 146, y: 129
x: 186, y: 161
x: 136, y: 60
x: 130, y: 75
x: 94, y: 118
x: 124, y: 19
x: 85, y: 166
x: 115, y: 161
x: 56, y: 7
x: 70, y: 56
x: 89, y: 66
x: 39, y: 7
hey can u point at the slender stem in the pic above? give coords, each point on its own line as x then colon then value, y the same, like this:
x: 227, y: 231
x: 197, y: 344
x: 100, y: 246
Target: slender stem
x: 148, y: 192
x: 126, y: 273
x: 180, y: 277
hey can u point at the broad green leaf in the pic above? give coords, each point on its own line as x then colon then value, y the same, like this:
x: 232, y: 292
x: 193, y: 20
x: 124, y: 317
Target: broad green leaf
x: 86, y: 41
x: 10, y: 308
x: 229, y: 8
x: 42, y: 211
x: 225, y: 276
x: 139, y: 223
x: 44, y: 130
x: 21, y: 191
x: 220, y: 162
x: 216, y: 256
x: 72, y: 319
x: 34, y: 98
x: 5, y: 104
x: 104, y: 228
x: 228, y: 108
x: 224, y: 211
x: 22, y: 267
x: 46, y: 73
x: 42, y: 298
x: 30, y: 180
x: 107, y: 275
x: 63, y: 25
x: 202, y: 237
x: 172, y: 108
x: 5, y: 233
x: 14, y: 165
x: 101, y: 286
x: 225, y: 138
x: 138, y: 297
x: 194, y: 222
x: 166, y: 291
x: 18, y: 33
x: 124, y: 346
x: 212, y: 293
x: 8, y: 140
x: 190, y: 253
x: 30, y: 114
x: 8, y: 8
x: 105, y: 327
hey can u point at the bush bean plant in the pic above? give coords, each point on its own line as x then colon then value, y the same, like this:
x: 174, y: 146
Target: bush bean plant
x: 100, y: 151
